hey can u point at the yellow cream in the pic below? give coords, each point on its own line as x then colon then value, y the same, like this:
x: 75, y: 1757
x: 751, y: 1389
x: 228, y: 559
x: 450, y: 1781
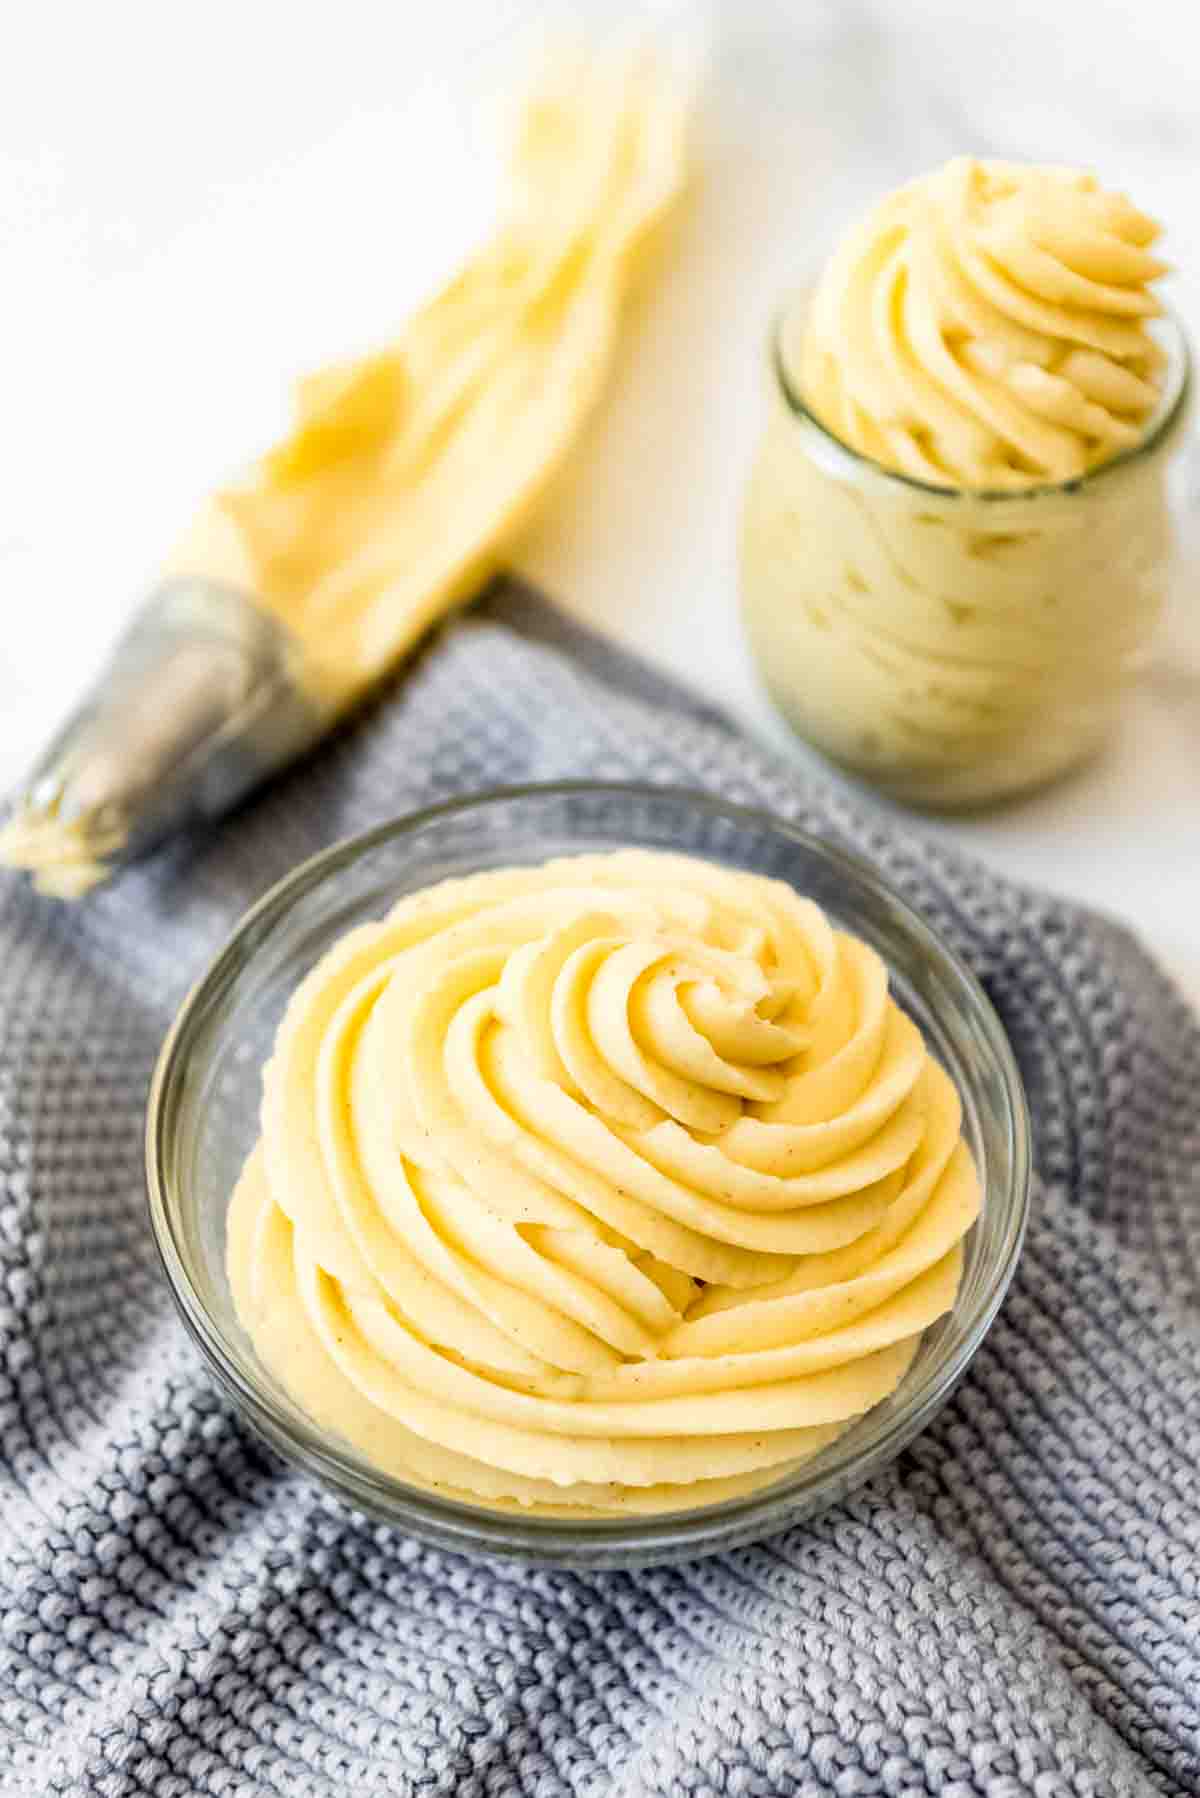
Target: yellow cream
x: 619, y: 1184
x: 951, y: 597
x: 65, y: 860
x: 985, y: 327
x: 408, y: 474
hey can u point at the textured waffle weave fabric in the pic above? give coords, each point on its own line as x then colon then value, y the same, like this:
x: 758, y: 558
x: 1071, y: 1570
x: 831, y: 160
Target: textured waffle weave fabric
x: 1010, y: 1608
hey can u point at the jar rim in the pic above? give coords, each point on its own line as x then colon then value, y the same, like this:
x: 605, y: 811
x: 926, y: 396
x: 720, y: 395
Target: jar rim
x: 1168, y: 415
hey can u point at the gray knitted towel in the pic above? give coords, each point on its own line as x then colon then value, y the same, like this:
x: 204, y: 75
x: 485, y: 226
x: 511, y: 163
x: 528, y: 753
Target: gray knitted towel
x: 1010, y: 1608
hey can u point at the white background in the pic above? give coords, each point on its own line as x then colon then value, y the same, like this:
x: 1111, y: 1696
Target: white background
x: 198, y: 202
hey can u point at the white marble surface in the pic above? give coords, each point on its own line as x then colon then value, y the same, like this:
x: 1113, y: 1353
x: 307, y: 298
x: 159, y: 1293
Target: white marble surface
x: 199, y: 203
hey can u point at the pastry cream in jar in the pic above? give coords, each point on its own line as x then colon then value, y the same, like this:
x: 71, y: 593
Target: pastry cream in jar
x: 956, y: 538
x: 610, y: 1186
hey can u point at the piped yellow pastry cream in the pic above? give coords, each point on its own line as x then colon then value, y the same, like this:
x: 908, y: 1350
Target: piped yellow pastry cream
x: 408, y: 475
x: 403, y: 485
x: 615, y: 1185
x: 986, y: 327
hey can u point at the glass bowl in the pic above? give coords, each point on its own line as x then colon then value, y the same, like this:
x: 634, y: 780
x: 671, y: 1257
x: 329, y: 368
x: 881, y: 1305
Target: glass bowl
x: 203, y: 1120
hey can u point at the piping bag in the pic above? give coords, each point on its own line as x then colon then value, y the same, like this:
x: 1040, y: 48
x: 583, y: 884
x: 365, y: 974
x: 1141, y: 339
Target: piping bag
x: 399, y: 490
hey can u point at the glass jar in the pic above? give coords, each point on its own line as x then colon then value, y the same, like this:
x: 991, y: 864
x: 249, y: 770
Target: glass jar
x: 954, y: 647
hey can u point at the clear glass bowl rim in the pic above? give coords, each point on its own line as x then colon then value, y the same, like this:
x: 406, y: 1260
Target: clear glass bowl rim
x: 1160, y: 428
x: 605, y: 1542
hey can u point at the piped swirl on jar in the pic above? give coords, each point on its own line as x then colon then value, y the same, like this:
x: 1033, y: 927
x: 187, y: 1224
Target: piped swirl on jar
x: 986, y: 327
x: 618, y: 1184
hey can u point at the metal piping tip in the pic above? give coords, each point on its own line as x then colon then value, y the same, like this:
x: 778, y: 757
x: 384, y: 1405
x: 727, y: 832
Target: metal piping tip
x: 203, y: 696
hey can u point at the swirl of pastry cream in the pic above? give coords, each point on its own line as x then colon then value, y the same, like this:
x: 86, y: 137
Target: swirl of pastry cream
x: 985, y: 327
x: 619, y: 1183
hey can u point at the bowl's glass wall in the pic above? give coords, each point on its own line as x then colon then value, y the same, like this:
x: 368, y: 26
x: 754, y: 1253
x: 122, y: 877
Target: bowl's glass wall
x: 204, y: 1121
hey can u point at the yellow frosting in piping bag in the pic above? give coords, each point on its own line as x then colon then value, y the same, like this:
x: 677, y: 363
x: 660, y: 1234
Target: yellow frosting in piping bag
x: 618, y: 1184
x: 408, y: 474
